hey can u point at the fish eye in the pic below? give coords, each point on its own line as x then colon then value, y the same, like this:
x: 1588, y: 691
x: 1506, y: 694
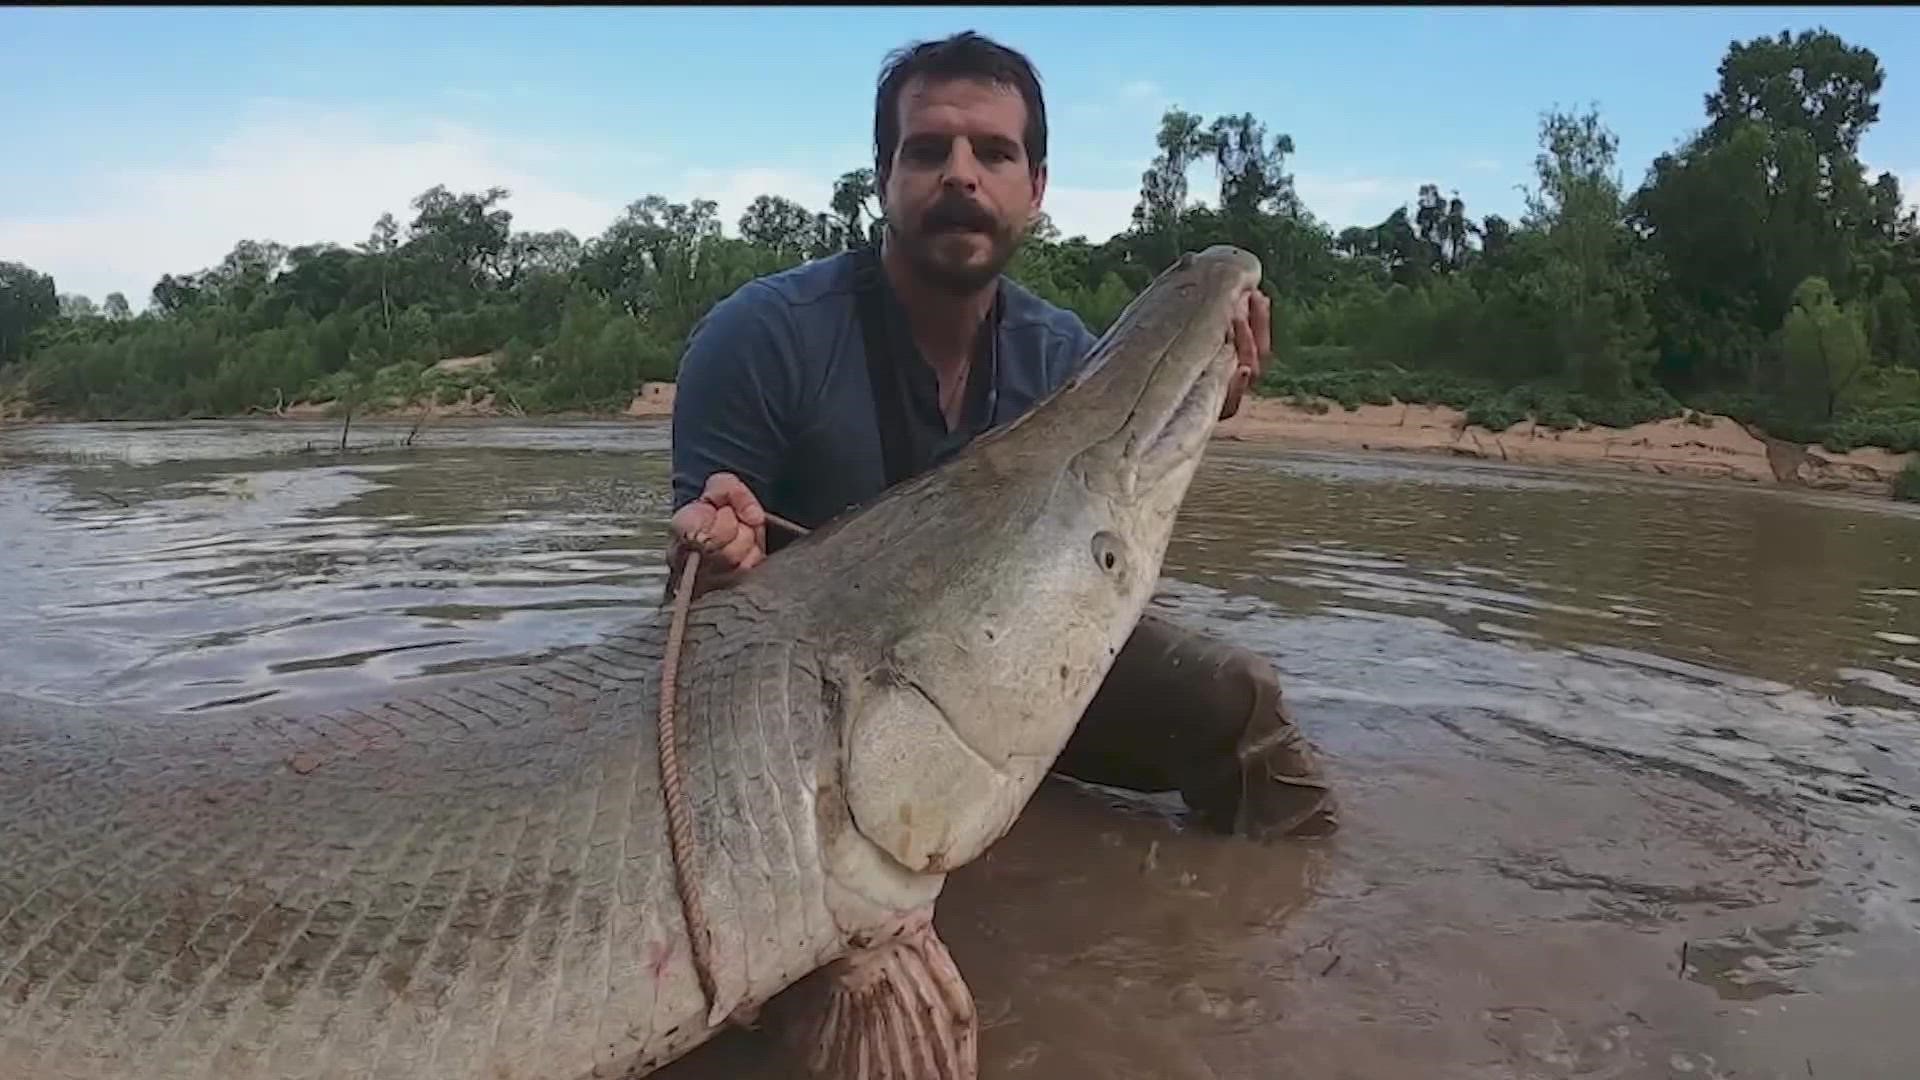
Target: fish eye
x: 1107, y: 553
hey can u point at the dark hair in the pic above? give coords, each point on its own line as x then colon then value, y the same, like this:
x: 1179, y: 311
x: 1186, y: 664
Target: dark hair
x: 965, y: 55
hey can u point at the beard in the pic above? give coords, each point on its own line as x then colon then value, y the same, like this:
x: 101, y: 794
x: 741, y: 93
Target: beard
x: 945, y: 246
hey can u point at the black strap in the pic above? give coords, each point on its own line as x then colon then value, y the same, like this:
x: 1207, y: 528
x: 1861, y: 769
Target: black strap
x: 882, y: 369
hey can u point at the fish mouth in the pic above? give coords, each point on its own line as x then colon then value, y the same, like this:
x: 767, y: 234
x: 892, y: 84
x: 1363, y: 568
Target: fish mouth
x: 1166, y: 437
x: 1148, y: 415
x: 1180, y: 401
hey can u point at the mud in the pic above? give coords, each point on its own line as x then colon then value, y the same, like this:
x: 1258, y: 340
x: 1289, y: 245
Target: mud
x: 1629, y: 769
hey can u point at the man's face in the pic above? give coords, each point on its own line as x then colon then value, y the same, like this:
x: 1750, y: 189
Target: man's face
x: 961, y: 194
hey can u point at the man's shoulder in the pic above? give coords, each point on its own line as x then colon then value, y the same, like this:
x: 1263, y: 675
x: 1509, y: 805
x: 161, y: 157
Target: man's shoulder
x: 1058, y: 336
x: 1029, y: 313
x: 794, y: 297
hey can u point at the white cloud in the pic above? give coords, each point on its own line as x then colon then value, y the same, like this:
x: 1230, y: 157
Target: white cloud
x: 1133, y: 105
x: 300, y: 176
x: 732, y: 189
x: 1340, y: 201
x: 1096, y: 213
x: 289, y: 175
x: 1352, y: 200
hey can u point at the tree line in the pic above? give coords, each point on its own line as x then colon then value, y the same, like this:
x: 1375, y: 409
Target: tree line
x: 1757, y: 270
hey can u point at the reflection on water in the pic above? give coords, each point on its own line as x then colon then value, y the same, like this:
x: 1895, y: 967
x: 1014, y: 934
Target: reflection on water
x: 231, y: 569
x: 1816, y: 593
x: 1630, y: 770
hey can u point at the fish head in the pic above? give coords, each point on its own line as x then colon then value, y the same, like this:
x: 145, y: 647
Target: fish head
x: 981, y: 605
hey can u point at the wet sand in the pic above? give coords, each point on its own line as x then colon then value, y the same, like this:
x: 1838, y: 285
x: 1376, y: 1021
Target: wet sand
x: 1629, y: 769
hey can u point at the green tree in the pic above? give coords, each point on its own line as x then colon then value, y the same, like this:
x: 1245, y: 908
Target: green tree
x: 1768, y: 194
x: 1824, y: 349
x: 778, y: 224
x: 1602, y: 329
x: 854, y: 204
x: 1252, y: 171
x: 1892, y: 331
x: 463, y: 238
x: 531, y: 254
x: 1163, y: 186
x: 1812, y: 82
x: 27, y: 302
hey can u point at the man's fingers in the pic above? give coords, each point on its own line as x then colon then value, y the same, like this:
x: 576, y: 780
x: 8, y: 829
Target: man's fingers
x: 1236, y: 389
x: 691, y: 522
x: 1260, y: 316
x: 728, y: 541
x: 719, y: 484
x: 739, y: 548
x: 726, y: 525
x: 749, y: 510
x: 1247, y: 353
x: 724, y: 530
x: 726, y: 489
x: 705, y: 530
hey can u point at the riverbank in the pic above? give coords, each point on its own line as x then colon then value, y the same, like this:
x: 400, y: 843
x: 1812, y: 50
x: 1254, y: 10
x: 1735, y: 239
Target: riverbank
x: 1697, y: 446
x: 1700, y: 445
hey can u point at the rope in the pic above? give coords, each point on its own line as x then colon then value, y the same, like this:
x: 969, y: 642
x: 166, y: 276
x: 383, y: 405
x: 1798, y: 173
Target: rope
x: 672, y: 779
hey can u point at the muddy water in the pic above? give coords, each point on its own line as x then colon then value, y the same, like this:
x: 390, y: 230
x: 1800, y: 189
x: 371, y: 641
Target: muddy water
x: 1630, y: 771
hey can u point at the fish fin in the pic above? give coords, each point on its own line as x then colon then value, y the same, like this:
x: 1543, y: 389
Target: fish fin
x: 896, y: 1009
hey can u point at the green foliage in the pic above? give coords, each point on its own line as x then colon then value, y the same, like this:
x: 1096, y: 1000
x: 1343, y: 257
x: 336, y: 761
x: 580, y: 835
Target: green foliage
x: 1823, y: 351
x: 1756, y: 271
x: 27, y: 302
x: 1484, y: 402
x: 1892, y: 329
x: 1895, y: 427
x: 600, y: 355
x: 1906, y: 486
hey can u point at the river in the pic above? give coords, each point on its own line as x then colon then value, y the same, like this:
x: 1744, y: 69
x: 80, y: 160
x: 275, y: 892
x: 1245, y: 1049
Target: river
x: 1629, y: 770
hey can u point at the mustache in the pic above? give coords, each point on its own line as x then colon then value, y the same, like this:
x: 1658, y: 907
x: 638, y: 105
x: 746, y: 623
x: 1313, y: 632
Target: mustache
x: 957, y: 212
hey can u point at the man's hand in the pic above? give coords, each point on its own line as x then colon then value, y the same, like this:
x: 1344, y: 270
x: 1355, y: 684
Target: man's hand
x: 726, y: 525
x: 1252, y: 333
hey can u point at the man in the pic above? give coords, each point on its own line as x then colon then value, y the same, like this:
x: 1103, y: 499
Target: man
x: 810, y: 391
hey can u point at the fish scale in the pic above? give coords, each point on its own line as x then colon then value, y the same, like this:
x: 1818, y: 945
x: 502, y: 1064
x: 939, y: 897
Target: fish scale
x: 492, y: 951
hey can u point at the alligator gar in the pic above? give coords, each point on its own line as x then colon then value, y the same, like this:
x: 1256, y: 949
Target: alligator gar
x: 471, y: 879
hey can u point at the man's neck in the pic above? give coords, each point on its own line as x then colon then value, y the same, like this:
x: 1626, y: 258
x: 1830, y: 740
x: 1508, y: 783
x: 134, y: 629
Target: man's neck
x: 944, y: 324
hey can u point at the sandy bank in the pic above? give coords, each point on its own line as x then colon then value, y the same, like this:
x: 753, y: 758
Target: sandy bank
x: 1707, y: 445
x: 1701, y: 445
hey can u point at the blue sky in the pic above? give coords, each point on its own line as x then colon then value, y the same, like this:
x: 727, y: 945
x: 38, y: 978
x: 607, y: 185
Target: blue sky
x: 146, y: 140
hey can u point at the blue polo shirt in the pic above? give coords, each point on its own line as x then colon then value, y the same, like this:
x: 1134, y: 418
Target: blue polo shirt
x: 774, y: 388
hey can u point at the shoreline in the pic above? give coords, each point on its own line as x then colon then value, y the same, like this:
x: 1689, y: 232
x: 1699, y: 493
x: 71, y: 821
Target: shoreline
x: 1696, y: 446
